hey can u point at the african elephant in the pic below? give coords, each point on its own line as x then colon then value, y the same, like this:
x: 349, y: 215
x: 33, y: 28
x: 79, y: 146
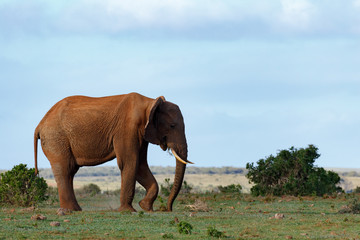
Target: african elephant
x: 84, y: 131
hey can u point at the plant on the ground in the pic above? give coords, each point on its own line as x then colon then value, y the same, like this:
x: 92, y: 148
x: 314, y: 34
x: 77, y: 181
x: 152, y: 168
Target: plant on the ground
x: 198, y: 206
x: 89, y: 189
x: 168, y: 236
x: 232, y: 188
x: 213, y: 232
x: 186, y: 188
x: 292, y: 172
x: 165, y: 188
x: 184, y: 227
x: 115, y: 192
x: 356, y: 190
x: 162, y: 207
x: 353, y: 207
x: 141, y: 214
x: 20, y: 186
x: 53, y: 195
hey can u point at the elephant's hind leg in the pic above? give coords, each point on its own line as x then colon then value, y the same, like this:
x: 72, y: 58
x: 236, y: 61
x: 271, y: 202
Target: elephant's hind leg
x: 64, y: 176
x: 57, y: 150
x: 147, y: 180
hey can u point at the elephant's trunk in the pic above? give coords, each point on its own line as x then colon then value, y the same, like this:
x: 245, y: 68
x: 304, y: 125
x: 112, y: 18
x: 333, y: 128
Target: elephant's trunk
x: 179, y: 176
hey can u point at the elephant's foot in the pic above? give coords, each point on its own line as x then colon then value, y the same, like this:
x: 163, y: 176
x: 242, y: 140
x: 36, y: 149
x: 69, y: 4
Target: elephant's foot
x: 78, y: 208
x: 71, y: 206
x: 126, y: 208
x: 62, y: 211
x: 146, y: 205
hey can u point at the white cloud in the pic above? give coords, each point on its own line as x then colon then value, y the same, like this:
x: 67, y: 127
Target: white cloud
x: 297, y: 14
x: 217, y: 18
x: 239, y: 17
x: 356, y: 3
x: 356, y: 21
x: 110, y: 15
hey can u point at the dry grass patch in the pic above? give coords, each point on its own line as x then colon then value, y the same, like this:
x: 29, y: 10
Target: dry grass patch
x: 198, y: 206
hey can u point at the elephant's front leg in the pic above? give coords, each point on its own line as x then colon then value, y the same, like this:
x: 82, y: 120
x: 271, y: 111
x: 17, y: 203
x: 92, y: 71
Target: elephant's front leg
x: 128, y: 180
x: 147, y: 180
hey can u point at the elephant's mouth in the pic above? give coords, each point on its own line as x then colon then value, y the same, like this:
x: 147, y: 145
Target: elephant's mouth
x: 163, y: 144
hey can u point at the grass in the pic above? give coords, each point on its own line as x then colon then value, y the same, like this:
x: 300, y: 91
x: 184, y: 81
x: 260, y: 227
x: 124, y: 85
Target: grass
x: 236, y: 216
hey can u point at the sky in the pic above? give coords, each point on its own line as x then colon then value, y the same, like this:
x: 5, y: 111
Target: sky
x: 251, y: 77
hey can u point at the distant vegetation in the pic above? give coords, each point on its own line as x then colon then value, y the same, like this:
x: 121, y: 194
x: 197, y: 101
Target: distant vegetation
x: 114, y: 171
x: 350, y: 174
x: 99, y: 171
x: 232, y: 188
x: 90, y: 189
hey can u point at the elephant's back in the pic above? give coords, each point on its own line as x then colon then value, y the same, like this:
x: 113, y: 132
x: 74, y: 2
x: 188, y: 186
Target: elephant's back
x: 87, y: 113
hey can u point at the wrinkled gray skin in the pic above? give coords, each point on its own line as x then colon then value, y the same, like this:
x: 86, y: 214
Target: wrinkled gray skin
x: 83, y: 131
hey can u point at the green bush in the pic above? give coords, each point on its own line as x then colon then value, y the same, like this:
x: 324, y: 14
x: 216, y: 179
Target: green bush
x: 356, y: 190
x: 115, y: 192
x: 168, y: 235
x: 213, y: 232
x: 292, y: 172
x: 232, y: 188
x: 184, y: 227
x: 53, y: 195
x: 166, y: 188
x: 89, y: 189
x: 162, y: 207
x: 21, y: 187
x: 353, y: 207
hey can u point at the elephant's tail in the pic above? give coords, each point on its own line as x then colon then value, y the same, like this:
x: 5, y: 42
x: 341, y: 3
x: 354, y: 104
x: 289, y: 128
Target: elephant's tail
x: 36, y: 137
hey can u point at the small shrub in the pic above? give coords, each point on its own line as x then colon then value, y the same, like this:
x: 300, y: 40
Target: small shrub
x: 184, y: 227
x: 186, y: 188
x: 356, y: 190
x: 353, y: 207
x: 168, y: 236
x: 53, y: 195
x: 20, y: 186
x: 166, y: 188
x: 269, y: 198
x: 232, y: 188
x: 140, y: 191
x: 89, y: 189
x: 115, y: 192
x: 213, y: 232
x: 162, y: 204
x: 198, y: 206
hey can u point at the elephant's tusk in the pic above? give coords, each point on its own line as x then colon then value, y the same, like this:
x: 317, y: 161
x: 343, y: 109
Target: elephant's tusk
x: 179, y: 158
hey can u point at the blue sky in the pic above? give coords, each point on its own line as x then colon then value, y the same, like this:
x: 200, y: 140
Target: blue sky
x: 251, y: 77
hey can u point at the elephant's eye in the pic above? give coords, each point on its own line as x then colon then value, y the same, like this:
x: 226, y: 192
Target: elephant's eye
x: 172, y: 126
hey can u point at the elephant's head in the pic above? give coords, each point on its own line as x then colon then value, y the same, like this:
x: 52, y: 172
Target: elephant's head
x: 165, y: 127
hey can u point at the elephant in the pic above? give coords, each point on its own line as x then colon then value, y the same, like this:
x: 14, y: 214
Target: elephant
x: 86, y: 131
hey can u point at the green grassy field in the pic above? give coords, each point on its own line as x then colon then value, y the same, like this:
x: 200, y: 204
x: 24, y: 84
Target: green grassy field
x: 234, y: 216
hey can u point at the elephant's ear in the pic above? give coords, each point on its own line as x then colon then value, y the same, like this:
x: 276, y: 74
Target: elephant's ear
x: 150, y: 127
